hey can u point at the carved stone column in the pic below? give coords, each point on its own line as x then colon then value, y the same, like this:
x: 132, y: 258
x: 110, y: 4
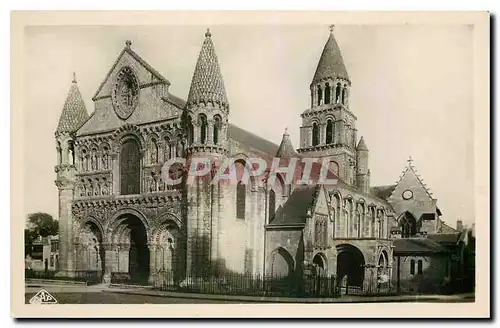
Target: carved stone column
x: 152, y: 263
x: 110, y: 261
x: 115, y: 176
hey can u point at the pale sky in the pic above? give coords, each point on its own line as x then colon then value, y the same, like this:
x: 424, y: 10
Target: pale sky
x: 411, y: 91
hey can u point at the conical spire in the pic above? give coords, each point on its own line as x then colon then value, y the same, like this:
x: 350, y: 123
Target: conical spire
x: 74, y: 113
x: 207, y: 84
x: 286, y: 149
x: 331, y: 64
x: 362, y: 145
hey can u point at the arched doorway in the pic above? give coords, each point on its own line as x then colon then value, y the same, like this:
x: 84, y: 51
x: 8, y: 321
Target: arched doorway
x: 350, y: 266
x: 281, y: 263
x: 319, y: 262
x: 169, y: 255
x: 90, y: 255
x: 131, y: 235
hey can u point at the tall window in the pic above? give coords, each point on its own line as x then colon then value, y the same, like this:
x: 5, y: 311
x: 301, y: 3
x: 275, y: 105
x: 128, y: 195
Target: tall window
x: 153, y: 151
x: 408, y: 225
x: 343, y: 94
x: 241, y: 193
x: 190, y: 130
x: 320, y: 95
x: 315, y: 136
x: 327, y: 94
x: 337, y: 93
x: 217, y: 126
x: 166, y: 150
x: 130, y: 166
x: 272, y: 204
x: 329, y: 131
x: 203, y: 128
x: 419, y: 268
x: 412, y: 267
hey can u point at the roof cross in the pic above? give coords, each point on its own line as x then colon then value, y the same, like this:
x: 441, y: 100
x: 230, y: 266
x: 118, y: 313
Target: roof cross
x: 410, y: 161
x: 332, y: 27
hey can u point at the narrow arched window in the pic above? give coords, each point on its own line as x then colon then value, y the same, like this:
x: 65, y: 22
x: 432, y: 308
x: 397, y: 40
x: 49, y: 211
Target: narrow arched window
x: 153, y: 151
x: 71, y: 152
x: 329, y: 131
x: 241, y: 193
x: 315, y: 136
x: 190, y: 130
x: 167, y: 150
x: 412, y: 267
x: 217, y: 126
x: 59, y: 153
x: 344, y: 94
x: 327, y: 94
x: 203, y: 128
x: 320, y: 95
x: 337, y: 93
x: 419, y: 268
x: 272, y: 204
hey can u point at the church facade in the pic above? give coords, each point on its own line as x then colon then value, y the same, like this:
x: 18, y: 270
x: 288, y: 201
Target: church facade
x: 117, y: 214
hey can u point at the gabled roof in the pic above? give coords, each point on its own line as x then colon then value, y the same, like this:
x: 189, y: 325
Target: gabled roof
x: 286, y: 149
x: 74, y: 113
x: 417, y: 246
x: 294, y: 211
x: 331, y: 63
x: 207, y: 84
x: 382, y: 192
x: 138, y: 58
x: 410, y: 169
x: 444, y: 238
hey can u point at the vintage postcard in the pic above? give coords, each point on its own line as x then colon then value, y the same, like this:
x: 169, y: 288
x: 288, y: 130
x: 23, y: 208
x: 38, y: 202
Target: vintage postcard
x: 314, y: 164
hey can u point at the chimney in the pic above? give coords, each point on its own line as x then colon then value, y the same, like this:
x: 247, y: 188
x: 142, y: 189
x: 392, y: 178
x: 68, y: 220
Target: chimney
x: 460, y: 225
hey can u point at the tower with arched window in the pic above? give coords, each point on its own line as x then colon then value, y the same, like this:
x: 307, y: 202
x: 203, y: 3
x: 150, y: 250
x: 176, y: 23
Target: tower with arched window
x: 328, y: 127
x: 206, y: 124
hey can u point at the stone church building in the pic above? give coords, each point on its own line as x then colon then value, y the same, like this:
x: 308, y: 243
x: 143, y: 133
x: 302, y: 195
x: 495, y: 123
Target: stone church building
x: 116, y: 214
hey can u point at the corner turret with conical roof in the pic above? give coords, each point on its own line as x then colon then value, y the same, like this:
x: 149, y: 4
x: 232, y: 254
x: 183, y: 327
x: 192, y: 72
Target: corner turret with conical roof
x: 286, y: 149
x: 207, y: 107
x: 73, y: 116
x: 362, y: 169
x: 328, y: 126
x: 74, y: 113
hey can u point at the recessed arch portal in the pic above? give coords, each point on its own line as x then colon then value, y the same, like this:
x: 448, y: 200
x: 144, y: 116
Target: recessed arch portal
x: 350, y: 264
x: 128, y: 229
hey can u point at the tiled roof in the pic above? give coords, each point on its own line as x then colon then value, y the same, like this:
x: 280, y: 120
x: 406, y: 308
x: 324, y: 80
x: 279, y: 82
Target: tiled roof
x: 286, y: 149
x: 252, y: 140
x: 362, y: 144
x: 294, y: 211
x: 444, y: 238
x: 382, y: 192
x: 331, y: 64
x: 207, y: 84
x: 415, y: 246
x: 74, y: 113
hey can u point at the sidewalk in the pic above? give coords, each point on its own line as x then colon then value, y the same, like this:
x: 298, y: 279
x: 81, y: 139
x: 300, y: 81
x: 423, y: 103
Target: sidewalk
x: 263, y: 299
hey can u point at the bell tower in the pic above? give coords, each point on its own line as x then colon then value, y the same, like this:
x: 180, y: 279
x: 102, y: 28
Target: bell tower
x: 329, y: 126
x: 73, y: 116
x: 206, y: 122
